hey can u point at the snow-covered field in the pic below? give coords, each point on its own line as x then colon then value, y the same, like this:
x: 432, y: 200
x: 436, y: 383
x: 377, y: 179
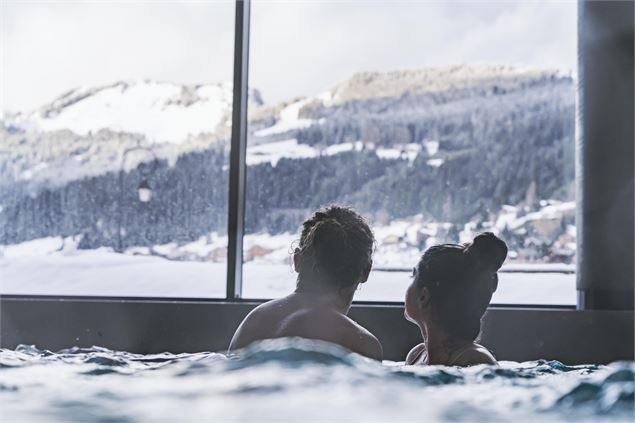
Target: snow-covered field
x: 49, y: 267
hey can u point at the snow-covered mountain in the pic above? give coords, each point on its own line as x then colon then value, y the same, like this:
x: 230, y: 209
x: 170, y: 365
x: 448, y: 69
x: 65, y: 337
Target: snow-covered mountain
x: 430, y: 80
x: 455, y: 145
x: 159, y: 111
x: 84, y: 131
x: 392, y: 112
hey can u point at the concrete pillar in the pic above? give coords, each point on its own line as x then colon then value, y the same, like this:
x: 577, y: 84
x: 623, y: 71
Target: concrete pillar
x: 605, y: 155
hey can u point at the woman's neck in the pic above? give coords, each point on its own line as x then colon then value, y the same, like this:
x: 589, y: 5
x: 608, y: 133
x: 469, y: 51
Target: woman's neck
x: 441, y: 346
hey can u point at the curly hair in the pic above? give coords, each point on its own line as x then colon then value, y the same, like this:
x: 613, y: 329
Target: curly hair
x: 336, y: 247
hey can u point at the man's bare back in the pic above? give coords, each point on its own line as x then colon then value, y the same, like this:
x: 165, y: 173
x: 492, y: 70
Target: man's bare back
x: 308, y: 316
x: 333, y: 257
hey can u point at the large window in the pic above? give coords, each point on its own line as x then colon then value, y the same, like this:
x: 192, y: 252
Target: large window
x: 436, y: 120
x: 115, y: 142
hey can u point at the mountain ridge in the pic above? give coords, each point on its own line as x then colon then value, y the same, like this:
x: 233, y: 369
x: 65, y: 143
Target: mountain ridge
x: 459, y: 156
x: 160, y: 111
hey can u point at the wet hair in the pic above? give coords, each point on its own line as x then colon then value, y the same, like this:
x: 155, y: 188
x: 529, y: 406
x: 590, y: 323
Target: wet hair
x: 335, y: 249
x: 461, y: 279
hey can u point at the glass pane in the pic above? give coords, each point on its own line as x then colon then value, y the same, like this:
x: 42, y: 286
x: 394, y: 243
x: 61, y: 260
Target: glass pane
x: 115, y: 128
x: 436, y: 120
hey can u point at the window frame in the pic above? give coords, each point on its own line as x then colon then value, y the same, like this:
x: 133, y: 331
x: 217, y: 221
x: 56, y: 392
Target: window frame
x: 237, y: 192
x: 238, y: 168
x: 238, y: 152
x: 600, y: 331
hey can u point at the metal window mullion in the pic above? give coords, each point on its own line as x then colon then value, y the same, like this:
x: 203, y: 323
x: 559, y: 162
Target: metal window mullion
x: 579, y: 141
x: 237, y: 168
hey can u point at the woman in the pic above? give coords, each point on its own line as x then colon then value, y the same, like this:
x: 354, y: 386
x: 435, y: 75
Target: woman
x: 451, y: 289
x: 334, y: 256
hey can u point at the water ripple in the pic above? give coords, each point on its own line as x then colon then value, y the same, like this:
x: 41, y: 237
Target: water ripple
x: 290, y: 379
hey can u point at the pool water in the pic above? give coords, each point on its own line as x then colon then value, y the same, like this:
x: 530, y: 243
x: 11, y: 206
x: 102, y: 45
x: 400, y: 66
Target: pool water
x: 298, y: 380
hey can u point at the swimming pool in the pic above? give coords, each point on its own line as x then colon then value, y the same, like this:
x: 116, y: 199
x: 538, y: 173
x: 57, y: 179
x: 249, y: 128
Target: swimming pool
x: 298, y: 380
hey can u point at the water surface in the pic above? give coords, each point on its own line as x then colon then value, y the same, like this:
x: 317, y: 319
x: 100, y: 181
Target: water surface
x: 298, y: 380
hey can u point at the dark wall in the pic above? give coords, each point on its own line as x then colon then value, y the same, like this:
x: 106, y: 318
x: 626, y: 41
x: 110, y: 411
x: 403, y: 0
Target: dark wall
x: 606, y: 150
x: 151, y: 326
x: 573, y: 337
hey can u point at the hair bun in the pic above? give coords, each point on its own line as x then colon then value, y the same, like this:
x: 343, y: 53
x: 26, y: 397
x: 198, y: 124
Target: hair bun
x: 488, y: 250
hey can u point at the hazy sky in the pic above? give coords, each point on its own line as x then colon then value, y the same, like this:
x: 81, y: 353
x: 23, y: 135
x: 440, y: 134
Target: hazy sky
x: 297, y: 47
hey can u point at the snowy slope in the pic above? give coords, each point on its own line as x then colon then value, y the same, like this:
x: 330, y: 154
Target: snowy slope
x: 160, y: 111
x: 85, y: 131
x: 454, y: 78
x: 373, y: 96
x: 170, y: 112
x: 289, y: 119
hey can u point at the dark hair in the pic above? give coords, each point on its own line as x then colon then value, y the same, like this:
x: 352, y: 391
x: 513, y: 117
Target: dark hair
x: 461, y: 280
x: 336, y: 247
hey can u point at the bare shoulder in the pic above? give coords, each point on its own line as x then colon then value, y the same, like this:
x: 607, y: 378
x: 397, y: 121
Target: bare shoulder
x: 334, y: 327
x: 252, y: 328
x: 475, y: 356
x: 363, y: 341
x: 286, y: 317
x: 415, y: 353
